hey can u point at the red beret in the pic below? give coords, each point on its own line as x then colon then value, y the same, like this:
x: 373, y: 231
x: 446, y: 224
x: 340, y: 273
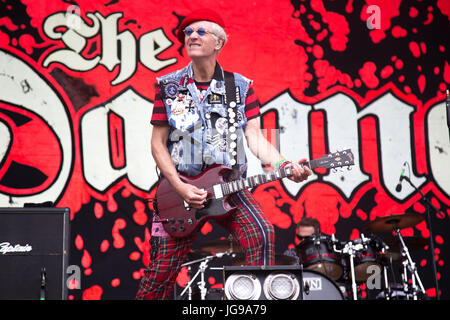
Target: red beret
x: 199, y: 15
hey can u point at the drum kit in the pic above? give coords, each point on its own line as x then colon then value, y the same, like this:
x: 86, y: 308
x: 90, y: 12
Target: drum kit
x: 361, y: 261
x: 341, y: 267
x: 369, y: 259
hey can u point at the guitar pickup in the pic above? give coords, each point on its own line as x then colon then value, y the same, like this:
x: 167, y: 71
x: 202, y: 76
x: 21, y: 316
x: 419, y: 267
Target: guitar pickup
x: 218, y: 194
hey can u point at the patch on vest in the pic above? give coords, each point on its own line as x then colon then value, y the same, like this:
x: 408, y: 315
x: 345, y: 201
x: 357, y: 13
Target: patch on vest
x: 170, y: 89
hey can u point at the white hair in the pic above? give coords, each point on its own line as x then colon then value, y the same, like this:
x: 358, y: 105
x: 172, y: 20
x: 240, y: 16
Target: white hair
x: 218, y: 32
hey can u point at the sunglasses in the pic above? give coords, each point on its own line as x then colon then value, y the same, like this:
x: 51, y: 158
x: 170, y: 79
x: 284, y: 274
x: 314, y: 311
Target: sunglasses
x: 301, y: 238
x: 200, y: 31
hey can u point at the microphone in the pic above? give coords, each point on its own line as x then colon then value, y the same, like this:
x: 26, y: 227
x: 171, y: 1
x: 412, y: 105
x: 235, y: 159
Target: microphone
x: 398, y: 188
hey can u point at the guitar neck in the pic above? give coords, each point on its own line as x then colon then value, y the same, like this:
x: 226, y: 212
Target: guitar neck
x: 254, y: 181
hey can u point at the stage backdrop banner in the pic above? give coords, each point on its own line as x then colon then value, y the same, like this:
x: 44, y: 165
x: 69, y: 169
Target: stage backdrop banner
x: 76, y: 96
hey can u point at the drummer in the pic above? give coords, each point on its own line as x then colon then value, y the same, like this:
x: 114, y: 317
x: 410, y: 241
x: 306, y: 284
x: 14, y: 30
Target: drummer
x: 305, y: 228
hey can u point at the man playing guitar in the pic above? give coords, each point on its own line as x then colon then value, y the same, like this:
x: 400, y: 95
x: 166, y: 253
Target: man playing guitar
x: 194, y: 128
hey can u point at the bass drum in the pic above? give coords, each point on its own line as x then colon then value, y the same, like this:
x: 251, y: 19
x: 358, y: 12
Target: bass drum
x: 317, y: 286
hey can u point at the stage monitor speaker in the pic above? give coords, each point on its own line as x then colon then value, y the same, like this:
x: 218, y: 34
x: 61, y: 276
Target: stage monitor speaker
x: 263, y: 282
x: 34, y: 252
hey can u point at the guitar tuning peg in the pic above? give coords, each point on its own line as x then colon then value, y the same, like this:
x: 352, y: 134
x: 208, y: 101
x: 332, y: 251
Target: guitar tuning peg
x: 349, y: 168
x: 334, y: 170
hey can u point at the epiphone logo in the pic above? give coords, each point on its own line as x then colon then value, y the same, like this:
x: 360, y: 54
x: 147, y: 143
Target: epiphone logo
x: 6, y: 247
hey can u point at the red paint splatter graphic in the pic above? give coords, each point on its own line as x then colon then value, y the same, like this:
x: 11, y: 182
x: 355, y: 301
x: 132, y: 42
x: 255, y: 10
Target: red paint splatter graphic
x: 93, y: 293
x: 394, y: 34
x: 104, y: 246
x: 140, y: 217
x: 367, y: 74
x: 119, y: 241
x: 115, y: 282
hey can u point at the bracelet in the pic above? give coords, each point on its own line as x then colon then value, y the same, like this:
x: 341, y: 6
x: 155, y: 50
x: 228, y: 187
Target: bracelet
x: 277, y: 165
x: 282, y: 163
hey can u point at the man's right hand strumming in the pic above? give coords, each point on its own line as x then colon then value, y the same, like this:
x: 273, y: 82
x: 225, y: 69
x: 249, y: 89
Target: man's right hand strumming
x: 192, y: 195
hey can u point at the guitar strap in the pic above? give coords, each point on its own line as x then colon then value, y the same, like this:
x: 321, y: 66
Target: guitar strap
x: 230, y: 102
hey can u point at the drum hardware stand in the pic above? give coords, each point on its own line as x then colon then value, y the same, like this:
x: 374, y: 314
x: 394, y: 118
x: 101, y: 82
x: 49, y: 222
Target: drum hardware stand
x: 351, y: 249
x: 409, y: 265
x: 429, y: 205
x: 201, y: 271
x: 387, y: 288
x: 384, y: 248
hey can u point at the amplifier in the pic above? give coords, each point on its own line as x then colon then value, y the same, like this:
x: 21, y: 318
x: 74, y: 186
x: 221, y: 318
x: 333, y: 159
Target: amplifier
x: 263, y: 282
x: 34, y: 246
x: 290, y: 282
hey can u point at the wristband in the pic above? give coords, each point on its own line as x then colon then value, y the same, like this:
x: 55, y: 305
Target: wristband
x: 282, y: 163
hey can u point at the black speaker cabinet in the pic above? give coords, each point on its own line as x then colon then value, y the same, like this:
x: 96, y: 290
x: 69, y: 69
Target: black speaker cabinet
x: 34, y: 246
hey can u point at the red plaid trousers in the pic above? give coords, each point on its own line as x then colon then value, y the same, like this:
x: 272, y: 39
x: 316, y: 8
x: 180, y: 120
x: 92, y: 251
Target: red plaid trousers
x: 248, y: 225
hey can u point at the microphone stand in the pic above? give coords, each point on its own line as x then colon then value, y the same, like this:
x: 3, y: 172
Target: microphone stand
x: 429, y: 205
x: 201, y: 271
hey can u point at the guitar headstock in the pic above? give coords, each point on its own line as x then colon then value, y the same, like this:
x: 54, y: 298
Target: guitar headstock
x: 338, y: 159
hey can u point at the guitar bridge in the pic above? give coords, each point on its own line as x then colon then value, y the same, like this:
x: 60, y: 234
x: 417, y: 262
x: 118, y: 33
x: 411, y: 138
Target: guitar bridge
x: 162, y: 221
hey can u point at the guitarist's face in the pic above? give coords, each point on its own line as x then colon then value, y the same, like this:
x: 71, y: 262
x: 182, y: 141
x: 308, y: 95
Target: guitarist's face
x: 202, y: 45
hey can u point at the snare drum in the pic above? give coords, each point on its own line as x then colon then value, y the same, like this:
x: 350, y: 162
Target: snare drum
x: 316, y: 253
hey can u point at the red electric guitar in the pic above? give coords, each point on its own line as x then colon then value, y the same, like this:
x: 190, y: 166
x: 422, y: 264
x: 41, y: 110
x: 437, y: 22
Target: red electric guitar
x: 180, y: 220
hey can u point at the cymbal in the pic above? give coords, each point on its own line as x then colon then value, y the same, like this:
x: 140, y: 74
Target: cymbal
x: 413, y: 243
x: 390, y: 223
x: 280, y: 260
x: 221, y: 245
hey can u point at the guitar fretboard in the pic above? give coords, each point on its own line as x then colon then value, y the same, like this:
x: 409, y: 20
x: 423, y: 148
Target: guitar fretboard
x: 254, y: 181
